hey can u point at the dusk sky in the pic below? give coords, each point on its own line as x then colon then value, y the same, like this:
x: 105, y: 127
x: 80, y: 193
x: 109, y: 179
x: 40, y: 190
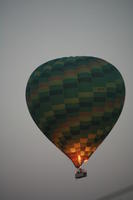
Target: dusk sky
x: 32, y: 33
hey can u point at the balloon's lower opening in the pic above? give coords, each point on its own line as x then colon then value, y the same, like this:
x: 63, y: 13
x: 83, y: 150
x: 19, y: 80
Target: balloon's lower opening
x: 80, y: 173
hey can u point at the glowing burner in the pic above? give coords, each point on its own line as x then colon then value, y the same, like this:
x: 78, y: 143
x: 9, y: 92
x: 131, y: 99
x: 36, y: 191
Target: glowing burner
x: 79, y: 159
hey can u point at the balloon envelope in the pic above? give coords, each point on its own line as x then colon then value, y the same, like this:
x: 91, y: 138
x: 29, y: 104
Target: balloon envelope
x: 75, y: 102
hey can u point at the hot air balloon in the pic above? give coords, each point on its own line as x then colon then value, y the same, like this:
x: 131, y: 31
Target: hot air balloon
x: 75, y: 102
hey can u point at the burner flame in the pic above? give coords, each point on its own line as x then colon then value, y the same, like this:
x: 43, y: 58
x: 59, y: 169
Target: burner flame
x: 79, y: 159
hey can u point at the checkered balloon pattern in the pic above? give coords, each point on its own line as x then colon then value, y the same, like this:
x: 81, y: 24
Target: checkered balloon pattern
x: 75, y: 102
